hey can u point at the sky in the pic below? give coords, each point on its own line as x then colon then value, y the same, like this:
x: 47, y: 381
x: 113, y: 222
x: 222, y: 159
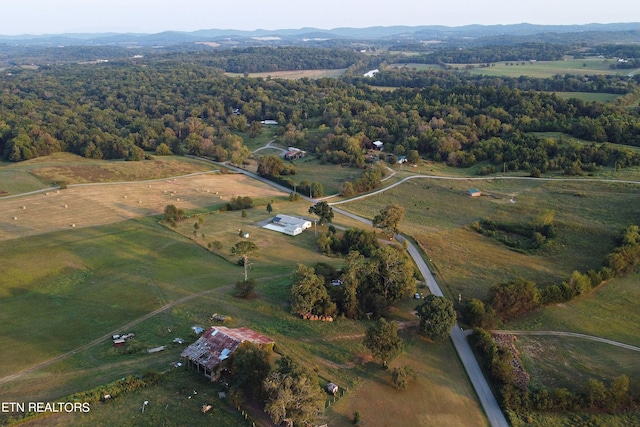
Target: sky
x: 37, y: 17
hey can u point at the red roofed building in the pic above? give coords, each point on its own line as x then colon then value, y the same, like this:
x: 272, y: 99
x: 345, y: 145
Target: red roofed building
x: 210, y: 353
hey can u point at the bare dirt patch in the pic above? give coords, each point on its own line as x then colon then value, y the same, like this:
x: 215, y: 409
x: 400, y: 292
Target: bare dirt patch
x: 99, y: 204
x: 92, y: 172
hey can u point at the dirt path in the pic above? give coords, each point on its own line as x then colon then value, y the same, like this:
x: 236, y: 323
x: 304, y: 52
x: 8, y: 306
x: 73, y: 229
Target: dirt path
x: 129, y: 325
x: 570, y: 334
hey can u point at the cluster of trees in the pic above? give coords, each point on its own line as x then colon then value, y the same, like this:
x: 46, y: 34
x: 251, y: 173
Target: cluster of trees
x: 116, y: 110
x: 366, y: 286
x: 173, y: 214
x: 493, y: 53
x: 592, y: 395
x: 265, y: 59
x: 520, y: 237
x: 239, y: 203
x: 291, y: 390
x: 626, y: 257
x: 353, y: 239
x: 370, y: 180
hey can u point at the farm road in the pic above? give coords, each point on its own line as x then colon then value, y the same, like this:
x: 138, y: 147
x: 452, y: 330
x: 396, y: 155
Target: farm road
x: 107, y: 336
x: 570, y: 334
x: 450, y: 178
x: 104, y: 337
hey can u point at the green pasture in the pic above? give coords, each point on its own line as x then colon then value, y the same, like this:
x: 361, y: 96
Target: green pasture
x: 610, y: 312
x: 171, y: 403
x: 589, y: 96
x: 329, y: 175
x: 545, y: 69
x: 16, y: 181
x: 439, y: 213
x: 570, y: 362
x: 261, y: 140
x: 62, y: 290
x: 295, y: 74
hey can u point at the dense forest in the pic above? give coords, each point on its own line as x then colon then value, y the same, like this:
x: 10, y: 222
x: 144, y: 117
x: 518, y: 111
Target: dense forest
x: 185, y: 104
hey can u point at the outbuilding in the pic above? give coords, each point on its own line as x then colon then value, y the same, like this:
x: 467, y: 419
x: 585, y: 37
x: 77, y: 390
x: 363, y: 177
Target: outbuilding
x: 290, y: 225
x: 210, y: 353
x: 474, y: 192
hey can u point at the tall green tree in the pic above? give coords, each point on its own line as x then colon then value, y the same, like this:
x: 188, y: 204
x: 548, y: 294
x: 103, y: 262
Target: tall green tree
x: 437, y: 317
x: 323, y: 211
x: 294, y: 395
x: 309, y: 294
x: 515, y: 298
x: 250, y: 367
x: 391, y: 273
x: 245, y: 249
x: 389, y: 218
x: 382, y: 340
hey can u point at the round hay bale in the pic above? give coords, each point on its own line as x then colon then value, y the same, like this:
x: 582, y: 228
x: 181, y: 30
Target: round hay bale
x: 139, y: 201
x: 73, y: 225
x: 207, y: 191
x: 124, y: 197
x: 24, y: 207
x: 57, y: 191
x: 15, y: 218
x: 178, y: 199
x: 65, y: 206
x: 149, y: 186
x: 46, y: 194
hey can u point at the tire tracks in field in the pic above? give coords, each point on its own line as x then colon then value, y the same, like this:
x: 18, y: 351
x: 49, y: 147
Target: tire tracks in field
x: 108, y: 335
x: 572, y: 335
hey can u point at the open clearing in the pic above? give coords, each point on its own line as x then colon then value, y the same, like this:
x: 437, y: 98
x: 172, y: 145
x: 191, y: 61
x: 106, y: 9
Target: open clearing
x: 43, y: 172
x: 541, y: 69
x: 439, y: 213
x: 296, y: 74
x: 99, y: 204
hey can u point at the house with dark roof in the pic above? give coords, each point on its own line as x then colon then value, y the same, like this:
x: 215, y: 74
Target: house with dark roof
x: 211, y: 352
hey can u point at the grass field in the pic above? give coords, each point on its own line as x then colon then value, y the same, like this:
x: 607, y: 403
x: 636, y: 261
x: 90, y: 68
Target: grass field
x: 541, y: 69
x: 295, y: 74
x: 97, y: 204
x: 43, y: 172
x: 312, y: 169
x: 589, y: 96
x: 88, y: 282
x: 432, y: 400
x: 544, y: 69
x: 439, y: 214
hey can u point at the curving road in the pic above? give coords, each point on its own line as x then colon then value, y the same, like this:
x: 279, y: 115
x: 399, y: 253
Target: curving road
x: 453, y: 178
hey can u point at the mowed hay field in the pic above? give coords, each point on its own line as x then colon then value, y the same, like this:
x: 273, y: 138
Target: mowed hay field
x: 587, y: 216
x: 99, y: 204
x: 441, y: 395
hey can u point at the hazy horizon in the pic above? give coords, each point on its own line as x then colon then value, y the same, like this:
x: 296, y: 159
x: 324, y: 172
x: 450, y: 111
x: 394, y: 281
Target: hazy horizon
x: 40, y: 17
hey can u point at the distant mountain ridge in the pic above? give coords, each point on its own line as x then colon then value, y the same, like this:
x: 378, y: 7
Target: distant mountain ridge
x: 424, y: 32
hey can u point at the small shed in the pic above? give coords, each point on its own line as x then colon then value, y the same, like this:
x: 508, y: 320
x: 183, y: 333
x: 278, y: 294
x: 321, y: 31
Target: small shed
x: 474, y: 192
x: 332, y: 388
x: 379, y: 145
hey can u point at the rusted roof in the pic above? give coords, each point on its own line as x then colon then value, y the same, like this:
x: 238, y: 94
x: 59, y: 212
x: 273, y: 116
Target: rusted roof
x: 218, y: 343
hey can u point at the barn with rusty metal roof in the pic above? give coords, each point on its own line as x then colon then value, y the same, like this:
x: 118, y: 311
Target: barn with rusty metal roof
x: 210, y: 352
